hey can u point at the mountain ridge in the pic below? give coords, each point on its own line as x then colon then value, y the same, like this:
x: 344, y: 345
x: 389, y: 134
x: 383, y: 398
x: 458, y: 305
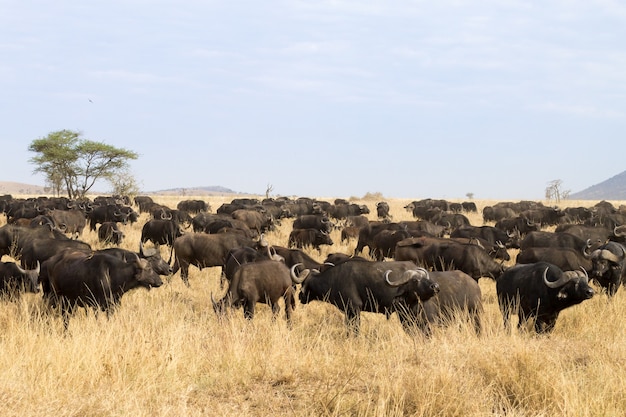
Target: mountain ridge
x: 613, y: 188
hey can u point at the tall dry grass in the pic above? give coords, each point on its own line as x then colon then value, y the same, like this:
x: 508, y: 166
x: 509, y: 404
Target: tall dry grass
x: 165, y: 353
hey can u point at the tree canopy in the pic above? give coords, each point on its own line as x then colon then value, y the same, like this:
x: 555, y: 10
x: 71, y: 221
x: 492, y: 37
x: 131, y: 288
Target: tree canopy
x: 73, y: 163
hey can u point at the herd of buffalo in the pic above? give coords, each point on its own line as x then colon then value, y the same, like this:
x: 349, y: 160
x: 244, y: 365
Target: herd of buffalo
x: 425, y: 270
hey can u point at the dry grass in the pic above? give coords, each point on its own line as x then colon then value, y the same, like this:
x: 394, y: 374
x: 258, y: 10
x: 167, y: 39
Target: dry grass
x: 164, y: 353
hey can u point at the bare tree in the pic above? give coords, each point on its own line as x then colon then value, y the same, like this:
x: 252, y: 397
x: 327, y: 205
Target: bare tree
x: 554, y: 192
x: 268, y: 190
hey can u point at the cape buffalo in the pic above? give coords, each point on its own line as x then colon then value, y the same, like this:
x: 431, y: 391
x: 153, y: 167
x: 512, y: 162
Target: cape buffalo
x: 161, y: 231
x: 377, y: 287
x: 110, y: 233
x: 567, y: 259
x: 540, y: 291
x: 459, y: 296
x: 382, y: 210
x: 300, y: 238
x: 203, y: 250
x: 445, y: 254
x: 14, y: 279
x: 259, y: 282
x: 609, y: 267
x: 239, y: 256
x: 70, y: 279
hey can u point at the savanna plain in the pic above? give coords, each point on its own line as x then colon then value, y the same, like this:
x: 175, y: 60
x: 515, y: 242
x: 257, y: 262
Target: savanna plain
x: 164, y: 352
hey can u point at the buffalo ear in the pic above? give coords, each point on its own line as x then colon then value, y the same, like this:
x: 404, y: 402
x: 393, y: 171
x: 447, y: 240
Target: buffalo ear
x: 562, y: 295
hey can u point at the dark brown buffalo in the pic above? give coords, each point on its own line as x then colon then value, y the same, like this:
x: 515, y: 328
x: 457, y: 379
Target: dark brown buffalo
x: 382, y: 210
x: 445, y: 254
x: 619, y: 234
x: 313, y: 221
x: 255, y: 220
x: 193, y: 206
x: 76, y: 279
x: 495, y: 250
x: 384, y: 243
x: 377, y: 287
x: 143, y: 203
x: 518, y: 225
x: 429, y: 228
x: 219, y: 224
x: 14, y: 238
x: 297, y: 256
x: 567, y: 259
x: 110, y: 234
x: 161, y: 231
x: 110, y: 213
x: 366, y: 235
x: 204, y: 250
x: 545, y: 216
x: 357, y: 221
x: 72, y: 221
x: 349, y: 232
x: 492, y: 213
x: 592, y: 233
x: 609, y: 267
x: 490, y: 233
x: 336, y: 258
x: 343, y: 211
x: 238, y: 256
x: 36, y: 251
x: 539, y: 292
x: 14, y: 279
x: 544, y: 239
x: 459, y: 296
x: 152, y: 255
x: 265, y: 281
x: 302, y: 238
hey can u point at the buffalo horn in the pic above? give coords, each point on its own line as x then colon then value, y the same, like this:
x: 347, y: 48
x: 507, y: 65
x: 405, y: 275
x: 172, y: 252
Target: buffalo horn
x: 23, y: 271
x: 406, y: 276
x: 619, y: 234
x: 271, y: 253
x: 139, y: 262
x: 605, y: 254
x: 298, y: 279
x: 559, y: 282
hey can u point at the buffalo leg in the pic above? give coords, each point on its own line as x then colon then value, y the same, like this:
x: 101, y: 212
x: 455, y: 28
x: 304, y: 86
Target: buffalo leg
x: 248, y: 309
x: 289, y: 303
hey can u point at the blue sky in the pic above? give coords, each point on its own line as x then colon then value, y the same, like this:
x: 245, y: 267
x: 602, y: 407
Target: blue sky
x: 412, y: 99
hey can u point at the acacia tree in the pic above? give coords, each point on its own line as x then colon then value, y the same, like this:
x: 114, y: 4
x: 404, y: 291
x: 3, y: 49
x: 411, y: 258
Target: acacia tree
x: 66, y: 158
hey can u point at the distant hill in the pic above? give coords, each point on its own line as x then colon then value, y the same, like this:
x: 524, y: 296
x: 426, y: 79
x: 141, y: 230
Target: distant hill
x: 207, y: 190
x: 612, y: 189
x: 9, y: 187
